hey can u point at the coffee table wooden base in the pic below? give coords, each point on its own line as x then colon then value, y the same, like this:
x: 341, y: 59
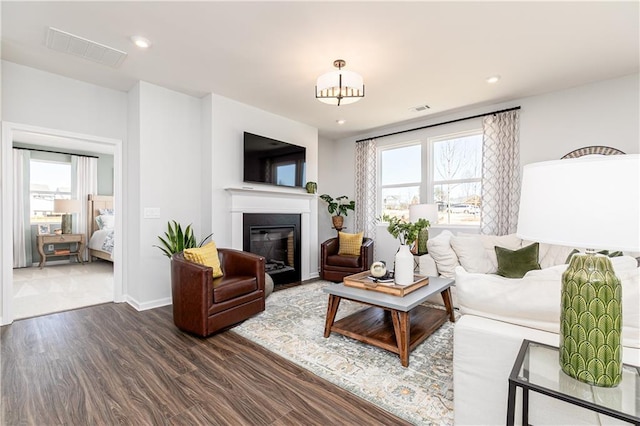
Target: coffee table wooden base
x: 395, y: 331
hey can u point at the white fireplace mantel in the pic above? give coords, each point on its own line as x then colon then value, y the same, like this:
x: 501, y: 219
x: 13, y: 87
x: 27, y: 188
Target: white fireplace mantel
x: 245, y: 200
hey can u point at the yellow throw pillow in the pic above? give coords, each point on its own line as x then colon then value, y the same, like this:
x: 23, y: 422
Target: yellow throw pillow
x: 349, y: 243
x: 206, y: 255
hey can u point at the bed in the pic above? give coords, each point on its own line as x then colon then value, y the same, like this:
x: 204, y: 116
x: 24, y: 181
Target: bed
x: 100, y: 230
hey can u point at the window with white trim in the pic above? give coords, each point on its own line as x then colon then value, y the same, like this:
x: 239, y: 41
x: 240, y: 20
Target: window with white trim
x: 456, y: 178
x: 400, y: 179
x: 48, y: 180
x: 445, y: 170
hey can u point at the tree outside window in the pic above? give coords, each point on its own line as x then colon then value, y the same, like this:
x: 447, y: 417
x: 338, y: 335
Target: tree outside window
x: 457, y: 176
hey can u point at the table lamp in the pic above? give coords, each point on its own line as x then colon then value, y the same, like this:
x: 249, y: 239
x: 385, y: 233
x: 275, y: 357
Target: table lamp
x: 589, y: 202
x: 423, y: 211
x: 67, y: 208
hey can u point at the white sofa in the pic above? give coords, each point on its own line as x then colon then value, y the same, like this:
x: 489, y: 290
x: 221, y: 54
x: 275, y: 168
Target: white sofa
x: 498, y: 313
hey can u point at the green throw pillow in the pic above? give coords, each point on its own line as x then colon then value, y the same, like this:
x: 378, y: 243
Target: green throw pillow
x: 516, y: 263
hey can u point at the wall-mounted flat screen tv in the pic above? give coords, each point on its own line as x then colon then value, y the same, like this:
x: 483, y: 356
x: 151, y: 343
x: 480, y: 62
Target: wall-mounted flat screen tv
x: 273, y: 162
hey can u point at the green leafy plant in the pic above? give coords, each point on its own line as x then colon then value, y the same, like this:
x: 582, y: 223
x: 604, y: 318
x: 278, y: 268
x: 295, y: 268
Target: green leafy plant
x: 176, y: 240
x: 339, y: 206
x: 405, y: 232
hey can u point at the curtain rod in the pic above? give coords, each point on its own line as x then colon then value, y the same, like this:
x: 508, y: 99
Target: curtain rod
x: 439, y: 124
x: 55, y: 152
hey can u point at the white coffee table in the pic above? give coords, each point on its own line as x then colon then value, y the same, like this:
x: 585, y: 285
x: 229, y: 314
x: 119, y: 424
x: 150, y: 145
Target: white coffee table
x: 397, y: 324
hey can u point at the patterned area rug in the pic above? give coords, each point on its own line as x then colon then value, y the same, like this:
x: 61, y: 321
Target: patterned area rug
x: 293, y: 325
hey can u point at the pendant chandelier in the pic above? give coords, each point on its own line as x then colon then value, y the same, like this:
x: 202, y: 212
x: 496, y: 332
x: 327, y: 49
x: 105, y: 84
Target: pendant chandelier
x: 339, y: 87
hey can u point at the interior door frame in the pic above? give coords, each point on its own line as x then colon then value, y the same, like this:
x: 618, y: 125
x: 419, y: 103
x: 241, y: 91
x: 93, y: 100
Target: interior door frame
x: 90, y: 143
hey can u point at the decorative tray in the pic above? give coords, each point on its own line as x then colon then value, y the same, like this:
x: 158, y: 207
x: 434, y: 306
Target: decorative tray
x: 365, y: 281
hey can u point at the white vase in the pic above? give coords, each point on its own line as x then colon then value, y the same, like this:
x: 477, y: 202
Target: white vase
x: 404, y: 266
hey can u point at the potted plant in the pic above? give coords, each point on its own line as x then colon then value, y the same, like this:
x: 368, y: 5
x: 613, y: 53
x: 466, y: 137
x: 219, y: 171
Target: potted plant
x: 406, y: 233
x: 338, y: 208
x: 176, y: 240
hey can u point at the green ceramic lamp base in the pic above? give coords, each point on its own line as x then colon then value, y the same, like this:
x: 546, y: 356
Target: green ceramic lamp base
x: 591, y: 321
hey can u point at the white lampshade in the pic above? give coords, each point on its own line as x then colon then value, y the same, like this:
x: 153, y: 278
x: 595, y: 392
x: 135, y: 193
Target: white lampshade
x: 423, y: 211
x: 66, y: 206
x: 588, y: 202
x: 339, y: 87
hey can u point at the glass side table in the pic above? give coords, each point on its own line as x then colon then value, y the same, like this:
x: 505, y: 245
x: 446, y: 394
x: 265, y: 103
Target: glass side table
x: 537, y: 369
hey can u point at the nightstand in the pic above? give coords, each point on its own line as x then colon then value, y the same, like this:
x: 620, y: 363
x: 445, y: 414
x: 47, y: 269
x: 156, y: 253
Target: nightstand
x: 60, y: 239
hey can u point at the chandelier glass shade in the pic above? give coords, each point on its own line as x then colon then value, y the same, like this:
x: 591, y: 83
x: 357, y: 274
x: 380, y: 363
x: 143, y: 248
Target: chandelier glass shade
x: 339, y: 87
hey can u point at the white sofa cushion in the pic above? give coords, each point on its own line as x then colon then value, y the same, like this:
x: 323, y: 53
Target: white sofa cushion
x: 511, y: 242
x: 534, y: 300
x: 440, y: 250
x: 551, y: 255
x: 471, y: 254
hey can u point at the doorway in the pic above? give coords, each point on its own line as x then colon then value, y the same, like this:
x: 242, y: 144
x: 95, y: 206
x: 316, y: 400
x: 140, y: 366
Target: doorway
x: 56, y: 139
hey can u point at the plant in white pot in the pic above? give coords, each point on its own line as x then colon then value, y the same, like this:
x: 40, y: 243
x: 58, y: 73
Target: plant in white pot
x: 338, y: 208
x: 406, y: 233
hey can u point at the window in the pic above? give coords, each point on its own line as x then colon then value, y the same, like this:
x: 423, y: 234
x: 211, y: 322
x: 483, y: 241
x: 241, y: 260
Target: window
x: 400, y: 179
x: 446, y: 170
x: 48, y: 180
x: 456, y: 178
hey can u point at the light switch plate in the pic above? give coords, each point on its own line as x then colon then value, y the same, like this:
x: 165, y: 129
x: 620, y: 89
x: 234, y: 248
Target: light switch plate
x: 151, y: 212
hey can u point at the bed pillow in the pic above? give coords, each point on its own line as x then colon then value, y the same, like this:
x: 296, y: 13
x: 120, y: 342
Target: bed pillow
x: 106, y: 212
x: 349, y: 244
x: 206, y: 255
x: 106, y: 221
x: 516, y: 263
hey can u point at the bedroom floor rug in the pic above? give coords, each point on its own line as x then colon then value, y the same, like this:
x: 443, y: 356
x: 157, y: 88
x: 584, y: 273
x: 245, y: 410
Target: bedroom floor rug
x: 292, y: 326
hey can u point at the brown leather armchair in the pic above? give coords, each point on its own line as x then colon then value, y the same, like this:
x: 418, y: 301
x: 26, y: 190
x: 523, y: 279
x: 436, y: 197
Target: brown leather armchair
x: 203, y: 305
x: 334, y: 267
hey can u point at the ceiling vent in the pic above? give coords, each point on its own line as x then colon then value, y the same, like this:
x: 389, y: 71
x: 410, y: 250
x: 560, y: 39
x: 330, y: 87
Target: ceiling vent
x: 420, y: 108
x: 65, y: 42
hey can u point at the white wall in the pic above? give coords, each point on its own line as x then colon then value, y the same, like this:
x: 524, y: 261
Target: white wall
x: 165, y: 172
x: 551, y: 125
x: 40, y: 99
x: 31, y: 96
x: 229, y: 121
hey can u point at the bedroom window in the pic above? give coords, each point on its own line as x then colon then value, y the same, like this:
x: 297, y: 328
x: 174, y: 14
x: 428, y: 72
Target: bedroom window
x: 48, y: 180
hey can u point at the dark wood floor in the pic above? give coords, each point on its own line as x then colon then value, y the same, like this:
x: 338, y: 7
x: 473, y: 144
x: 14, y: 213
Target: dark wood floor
x: 110, y: 364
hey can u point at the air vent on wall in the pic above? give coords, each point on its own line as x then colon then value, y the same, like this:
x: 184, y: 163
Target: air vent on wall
x: 420, y: 108
x: 69, y: 43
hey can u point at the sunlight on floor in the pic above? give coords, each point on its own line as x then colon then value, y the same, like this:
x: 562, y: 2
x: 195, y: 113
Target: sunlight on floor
x: 58, y: 288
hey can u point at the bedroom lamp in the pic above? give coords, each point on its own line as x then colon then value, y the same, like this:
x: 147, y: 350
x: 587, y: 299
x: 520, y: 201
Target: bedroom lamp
x: 423, y: 211
x: 589, y: 202
x: 67, y: 208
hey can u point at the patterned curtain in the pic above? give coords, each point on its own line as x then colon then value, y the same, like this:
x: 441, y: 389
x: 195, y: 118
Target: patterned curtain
x: 365, y: 185
x: 500, y: 173
x: 85, y: 182
x: 22, y: 256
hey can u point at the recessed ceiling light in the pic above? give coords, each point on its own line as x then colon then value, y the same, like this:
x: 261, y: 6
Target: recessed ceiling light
x: 341, y: 121
x: 493, y: 79
x: 141, y: 42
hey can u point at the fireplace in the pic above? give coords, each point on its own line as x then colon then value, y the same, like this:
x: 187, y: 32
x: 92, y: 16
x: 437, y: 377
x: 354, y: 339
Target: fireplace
x: 276, y: 237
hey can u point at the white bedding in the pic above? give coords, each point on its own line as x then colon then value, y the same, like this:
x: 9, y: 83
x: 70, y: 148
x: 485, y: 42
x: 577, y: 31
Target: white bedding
x: 102, y: 240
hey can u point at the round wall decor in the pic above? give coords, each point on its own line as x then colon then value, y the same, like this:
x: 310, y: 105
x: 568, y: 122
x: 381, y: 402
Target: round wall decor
x: 591, y: 150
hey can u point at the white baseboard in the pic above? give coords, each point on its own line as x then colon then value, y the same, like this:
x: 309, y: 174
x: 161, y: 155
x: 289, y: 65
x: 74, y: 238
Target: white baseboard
x: 147, y: 305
